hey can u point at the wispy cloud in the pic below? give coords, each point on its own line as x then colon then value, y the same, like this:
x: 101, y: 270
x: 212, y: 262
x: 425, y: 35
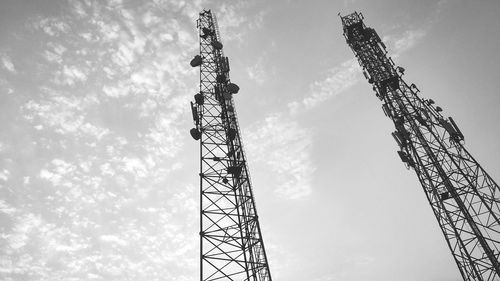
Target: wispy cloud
x: 258, y: 72
x: 234, y: 20
x: 7, y: 63
x: 402, y: 42
x: 408, y: 40
x: 336, y: 80
x: 285, y: 147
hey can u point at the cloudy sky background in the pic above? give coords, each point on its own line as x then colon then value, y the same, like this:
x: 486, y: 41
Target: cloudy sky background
x: 98, y: 173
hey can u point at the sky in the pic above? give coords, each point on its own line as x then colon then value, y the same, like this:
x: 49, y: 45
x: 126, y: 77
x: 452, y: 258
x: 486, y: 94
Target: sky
x: 99, y: 175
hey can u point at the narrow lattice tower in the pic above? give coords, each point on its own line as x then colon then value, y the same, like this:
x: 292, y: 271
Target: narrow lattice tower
x: 231, y: 246
x: 463, y: 197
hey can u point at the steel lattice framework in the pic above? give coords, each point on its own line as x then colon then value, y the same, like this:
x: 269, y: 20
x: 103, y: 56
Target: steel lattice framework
x: 463, y: 197
x: 231, y: 245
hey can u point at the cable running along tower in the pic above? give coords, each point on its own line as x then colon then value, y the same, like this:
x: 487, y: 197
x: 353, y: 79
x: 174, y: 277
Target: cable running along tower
x: 463, y: 197
x: 231, y: 246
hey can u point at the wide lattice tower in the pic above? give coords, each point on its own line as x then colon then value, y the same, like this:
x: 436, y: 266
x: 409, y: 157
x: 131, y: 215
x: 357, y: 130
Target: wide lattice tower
x: 463, y: 197
x: 231, y: 245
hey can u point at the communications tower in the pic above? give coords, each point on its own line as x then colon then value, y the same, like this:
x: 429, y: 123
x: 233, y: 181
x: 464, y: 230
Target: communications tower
x: 463, y: 197
x: 231, y: 245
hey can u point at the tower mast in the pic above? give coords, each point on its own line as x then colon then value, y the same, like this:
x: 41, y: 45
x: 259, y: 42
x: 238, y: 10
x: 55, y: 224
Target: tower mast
x: 231, y: 245
x: 464, y: 198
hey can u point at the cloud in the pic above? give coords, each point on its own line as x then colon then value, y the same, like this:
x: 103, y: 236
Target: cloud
x: 341, y: 77
x: 93, y: 187
x: 235, y: 21
x: 408, y: 40
x: 65, y: 115
x: 73, y: 75
x: 412, y: 36
x: 258, y: 20
x: 4, y: 175
x: 7, y: 63
x: 285, y: 147
x: 113, y: 239
x: 6, y: 208
x: 59, y: 169
x: 337, y: 80
x: 52, y: 26
x: 258, y: 72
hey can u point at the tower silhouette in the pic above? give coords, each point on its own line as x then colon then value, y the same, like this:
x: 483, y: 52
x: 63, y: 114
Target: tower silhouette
x: 464, y: 198
x: 231, y: 245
